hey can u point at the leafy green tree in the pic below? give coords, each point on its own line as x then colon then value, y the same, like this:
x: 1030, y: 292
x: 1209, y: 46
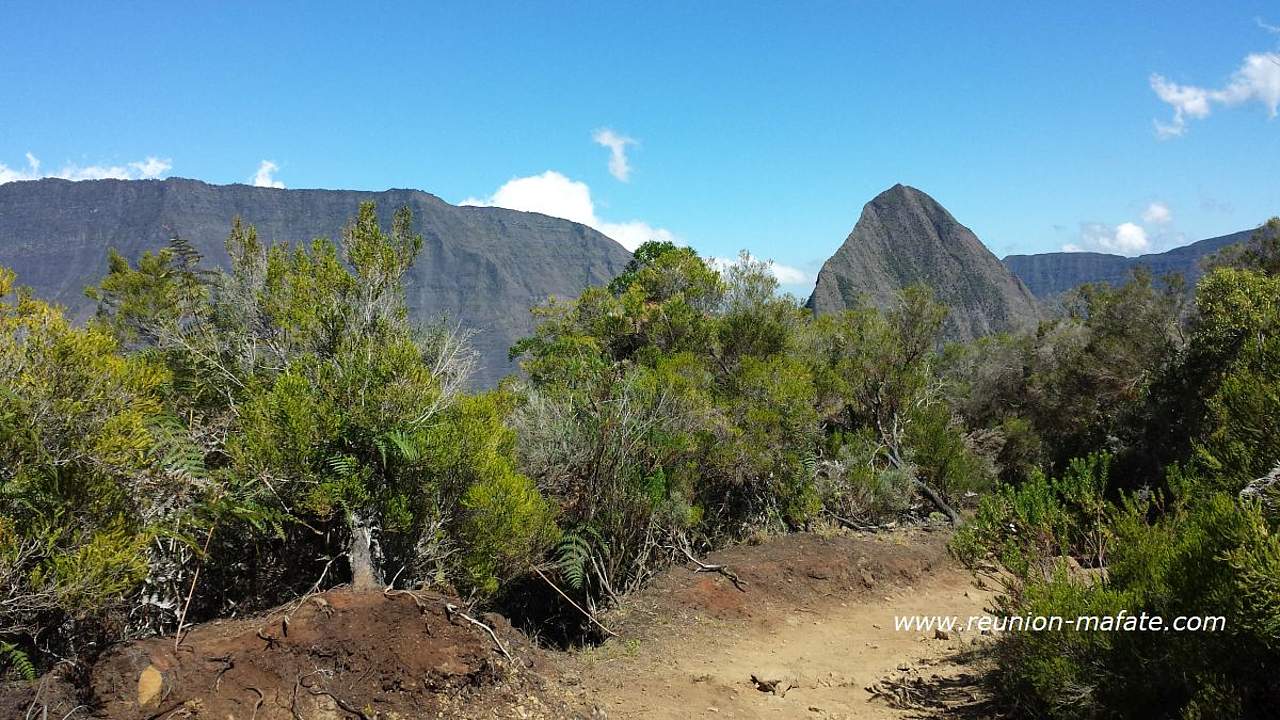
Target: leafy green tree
x: 321, y: 400
x: 877, y: 370
x: 1204, y: 542
x: 672, y: 407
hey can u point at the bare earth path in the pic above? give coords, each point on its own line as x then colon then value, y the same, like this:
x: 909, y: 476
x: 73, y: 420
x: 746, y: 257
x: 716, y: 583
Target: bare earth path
x: 817, y: 618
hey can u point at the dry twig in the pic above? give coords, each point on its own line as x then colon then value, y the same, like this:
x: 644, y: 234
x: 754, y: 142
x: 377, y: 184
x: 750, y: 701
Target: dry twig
x: 709, y: 567
x: 455, y: 610
x: 588, y: 615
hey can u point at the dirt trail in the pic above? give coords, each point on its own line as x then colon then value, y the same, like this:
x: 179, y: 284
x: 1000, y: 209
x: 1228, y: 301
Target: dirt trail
x: 814, y: 625
x: 817, y: 617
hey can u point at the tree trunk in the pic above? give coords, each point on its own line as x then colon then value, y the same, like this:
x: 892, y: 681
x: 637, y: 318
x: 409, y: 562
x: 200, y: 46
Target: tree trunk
x: 937, y: 500
x: 922, y: 486
x: 364, y: 568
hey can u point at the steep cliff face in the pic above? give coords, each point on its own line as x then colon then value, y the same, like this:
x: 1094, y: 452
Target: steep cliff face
x: 1050, y: 274
x: 481, y: 267
x: 905, y: 237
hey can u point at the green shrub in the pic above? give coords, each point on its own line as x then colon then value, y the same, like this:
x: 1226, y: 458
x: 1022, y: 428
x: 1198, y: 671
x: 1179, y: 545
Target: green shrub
x: 1206, y: 554
x: 859, y: 485
x: 942, y: 456
x: 1030, y: 526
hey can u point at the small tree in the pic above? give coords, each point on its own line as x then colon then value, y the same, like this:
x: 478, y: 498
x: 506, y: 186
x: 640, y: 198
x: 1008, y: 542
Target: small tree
x: 329, y: 400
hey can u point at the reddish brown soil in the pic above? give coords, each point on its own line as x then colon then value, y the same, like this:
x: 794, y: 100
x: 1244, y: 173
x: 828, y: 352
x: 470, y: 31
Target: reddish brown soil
x: 814, y: 613
x: 341, y: 654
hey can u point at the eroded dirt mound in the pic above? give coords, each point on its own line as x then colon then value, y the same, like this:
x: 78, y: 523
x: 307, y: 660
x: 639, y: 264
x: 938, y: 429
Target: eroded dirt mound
x: 785, y: 575
x: 340, y: 654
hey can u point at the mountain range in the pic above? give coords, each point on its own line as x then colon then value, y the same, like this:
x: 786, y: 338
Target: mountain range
x: 1051, y: 274
x: 481, y: 267
x: 485, y: 267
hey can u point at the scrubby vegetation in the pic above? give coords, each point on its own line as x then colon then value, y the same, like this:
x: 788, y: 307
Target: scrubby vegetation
x: 1176, y: 515
x: 681, y: 408
x: 218, y: 441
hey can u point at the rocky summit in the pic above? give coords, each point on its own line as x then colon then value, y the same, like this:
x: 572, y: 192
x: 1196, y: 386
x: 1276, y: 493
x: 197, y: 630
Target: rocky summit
x: 905, y: 237
x: 481, y: 267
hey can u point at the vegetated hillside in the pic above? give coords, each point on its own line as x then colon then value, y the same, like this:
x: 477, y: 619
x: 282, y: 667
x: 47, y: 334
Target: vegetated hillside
x: 481, y: 267
x: 905, y: 237
x: 1049, y: 274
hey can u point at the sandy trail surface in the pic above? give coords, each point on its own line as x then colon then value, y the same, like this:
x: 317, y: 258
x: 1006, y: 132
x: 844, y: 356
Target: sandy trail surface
x: 812, y: 636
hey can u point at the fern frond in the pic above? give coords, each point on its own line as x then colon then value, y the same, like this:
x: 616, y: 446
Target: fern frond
x: 18, y: 661
x: 174, y: 450
x: 405, y: 446
x: 573, y: 552
x: 342, y: 465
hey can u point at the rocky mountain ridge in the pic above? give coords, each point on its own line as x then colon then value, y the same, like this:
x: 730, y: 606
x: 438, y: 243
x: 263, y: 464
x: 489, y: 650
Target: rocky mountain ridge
x: 1050, y: 274
x: 481, y: 267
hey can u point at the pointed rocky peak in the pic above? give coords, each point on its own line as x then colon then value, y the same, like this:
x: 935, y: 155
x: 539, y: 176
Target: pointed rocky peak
x: 904, y: 237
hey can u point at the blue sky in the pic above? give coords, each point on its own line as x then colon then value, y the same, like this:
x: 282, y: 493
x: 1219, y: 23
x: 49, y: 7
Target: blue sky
x: 763, y: 126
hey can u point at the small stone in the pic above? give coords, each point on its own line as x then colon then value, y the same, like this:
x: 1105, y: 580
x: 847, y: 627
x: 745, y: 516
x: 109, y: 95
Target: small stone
x: 150, y: 682
x: 941, y: 635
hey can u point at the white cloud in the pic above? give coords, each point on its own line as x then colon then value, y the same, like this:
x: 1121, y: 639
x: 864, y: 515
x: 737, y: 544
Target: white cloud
x: 1256, y: 80
x: 265, y: 177
x: 785, y: 274
x: 1130, y: 239
x: 1124, y: 239
x: 152, y: 167
x: 619, y: 167
x: 789, y: 275
x: 632, y: 235
x: 1157, y: 213
x: 551, y: 193
x: 149, y: 168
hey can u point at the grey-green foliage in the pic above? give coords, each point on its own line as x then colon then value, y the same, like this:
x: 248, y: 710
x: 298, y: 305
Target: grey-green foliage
x: 1201, y: 538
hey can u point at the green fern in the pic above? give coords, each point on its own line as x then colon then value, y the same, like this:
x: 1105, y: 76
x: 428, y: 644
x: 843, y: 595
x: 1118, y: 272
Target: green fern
x: 343, y: 465
x: 573, y: 552
x: 810, y: 464
x: 404, y: 446
x: 174, y: 450
x: 18, y: 661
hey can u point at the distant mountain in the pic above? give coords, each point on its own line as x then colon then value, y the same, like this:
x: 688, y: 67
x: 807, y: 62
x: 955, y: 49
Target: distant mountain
x: 482, y: 267
x: 905, y: 237
x: 1050, y: 274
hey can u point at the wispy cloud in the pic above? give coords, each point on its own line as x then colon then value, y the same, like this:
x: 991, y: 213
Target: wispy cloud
x: 265, y: 177
x: 551, y: 193
x: 619, y: 166
x: 149, y: 168
x: 1157, y: 213
x: 785, y: 274
x: 1256, y: 80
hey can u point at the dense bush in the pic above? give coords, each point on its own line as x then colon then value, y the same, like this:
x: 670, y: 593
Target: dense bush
x: 276, y: 426
x: 86, y: 487
x: 1194, y: 530
x: 1208, y: 554
x: 685, y: 406
x: 1087, y: 381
